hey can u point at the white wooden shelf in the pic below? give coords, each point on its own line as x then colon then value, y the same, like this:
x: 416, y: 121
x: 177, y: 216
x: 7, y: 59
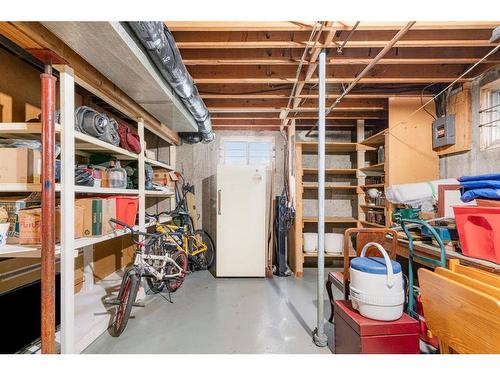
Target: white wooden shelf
x: 156, y: 163
x: 158, y: 193
x: 33, y: 251
x: 83, y: 142
x: 27, y: 188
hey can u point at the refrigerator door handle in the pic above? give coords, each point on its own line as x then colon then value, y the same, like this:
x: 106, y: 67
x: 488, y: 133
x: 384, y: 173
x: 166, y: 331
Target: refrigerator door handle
x: 219, y: 192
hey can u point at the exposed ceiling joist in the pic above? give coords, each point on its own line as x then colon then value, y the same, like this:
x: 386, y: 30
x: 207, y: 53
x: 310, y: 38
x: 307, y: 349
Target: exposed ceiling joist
x: 197, y: 26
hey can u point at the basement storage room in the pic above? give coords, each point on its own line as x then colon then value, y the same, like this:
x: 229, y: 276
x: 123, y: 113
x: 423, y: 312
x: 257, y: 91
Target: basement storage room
x: 219, y: 187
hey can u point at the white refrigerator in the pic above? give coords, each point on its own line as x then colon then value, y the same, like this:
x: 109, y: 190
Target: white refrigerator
x: 234, y: 214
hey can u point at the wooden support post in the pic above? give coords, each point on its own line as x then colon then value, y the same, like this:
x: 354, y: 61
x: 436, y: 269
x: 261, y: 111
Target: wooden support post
x: 67, y: 97
x: 297, y: 263
x: 360, y: 136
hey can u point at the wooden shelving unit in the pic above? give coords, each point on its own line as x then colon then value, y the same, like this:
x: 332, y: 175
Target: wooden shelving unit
x: 297, y: 257
x: 79, y: 323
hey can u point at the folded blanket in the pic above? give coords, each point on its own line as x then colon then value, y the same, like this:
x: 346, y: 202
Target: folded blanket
x: 485, y: 193
x: 480, y: 184
x: 488, y: 176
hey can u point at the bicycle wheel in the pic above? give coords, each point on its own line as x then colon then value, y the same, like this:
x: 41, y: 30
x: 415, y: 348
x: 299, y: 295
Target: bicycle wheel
x: 180, y: 259
x: 205, y: 259
x: 126, y: 298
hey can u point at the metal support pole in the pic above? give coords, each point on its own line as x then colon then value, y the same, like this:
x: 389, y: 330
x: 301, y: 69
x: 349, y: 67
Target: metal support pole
x: 48, y: 322
x: 320, y: 338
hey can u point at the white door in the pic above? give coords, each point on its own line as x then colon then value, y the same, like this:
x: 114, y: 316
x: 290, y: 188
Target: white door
x: 241, y: 226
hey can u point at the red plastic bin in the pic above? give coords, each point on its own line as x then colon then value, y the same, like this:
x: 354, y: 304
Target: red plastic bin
x: 126, y: 209
x: 479, y: 231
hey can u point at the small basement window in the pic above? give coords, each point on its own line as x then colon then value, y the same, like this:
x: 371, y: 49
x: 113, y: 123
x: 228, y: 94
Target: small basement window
x: 247, y: 151
x: 490, y: 115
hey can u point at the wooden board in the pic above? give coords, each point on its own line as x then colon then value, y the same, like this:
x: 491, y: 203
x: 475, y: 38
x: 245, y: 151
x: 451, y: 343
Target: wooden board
x: 464, y: 319
x: 409, y: 156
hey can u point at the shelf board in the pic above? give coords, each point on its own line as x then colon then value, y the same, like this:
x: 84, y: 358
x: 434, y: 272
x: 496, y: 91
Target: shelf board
x: 83, y: 142
x: 373, y: 186
x: 375, y: 140
x: 100, y: 190
x: 352, y: 254
x: 331, y: 219
x: 158, y: 193
x: 373, y: 168
x: 372, y: 224
x: 33, y: 251
x: 314, y: 185
x: 28, y: 188
x: 330, y: 171
x: 367, y: 206
x: 159, y: 164
x: 330, y: 146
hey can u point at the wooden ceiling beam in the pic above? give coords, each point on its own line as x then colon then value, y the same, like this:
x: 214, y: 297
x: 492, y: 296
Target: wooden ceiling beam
x: 282, y: 56
x: 312, y: 96
x: 281, y: 103
x: 308, y: 25
x: 351, y: 44
x: 359, y: 39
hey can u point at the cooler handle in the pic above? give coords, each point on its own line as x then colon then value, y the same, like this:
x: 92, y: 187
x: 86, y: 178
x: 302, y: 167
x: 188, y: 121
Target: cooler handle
x: 388, y: 263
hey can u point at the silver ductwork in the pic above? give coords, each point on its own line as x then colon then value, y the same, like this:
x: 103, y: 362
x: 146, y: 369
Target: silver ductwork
x: 161, y: 48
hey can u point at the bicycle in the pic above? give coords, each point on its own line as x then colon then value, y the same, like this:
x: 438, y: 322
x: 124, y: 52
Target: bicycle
x: 196, y: 244
x: 157, y: 261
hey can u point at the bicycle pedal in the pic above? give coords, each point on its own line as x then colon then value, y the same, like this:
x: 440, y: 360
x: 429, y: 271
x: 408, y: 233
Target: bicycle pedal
x: 111, y: 302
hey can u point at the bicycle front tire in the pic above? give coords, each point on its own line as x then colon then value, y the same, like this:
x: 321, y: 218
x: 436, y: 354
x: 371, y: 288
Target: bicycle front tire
x: 127, y: 296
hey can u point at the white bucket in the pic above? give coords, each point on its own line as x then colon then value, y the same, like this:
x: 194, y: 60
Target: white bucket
x: 334, y: 243
x: 310, y: 242
x: 4, y: 229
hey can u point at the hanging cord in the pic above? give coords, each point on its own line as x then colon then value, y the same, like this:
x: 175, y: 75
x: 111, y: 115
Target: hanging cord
x: 422, y: 100
x: 467, y: 71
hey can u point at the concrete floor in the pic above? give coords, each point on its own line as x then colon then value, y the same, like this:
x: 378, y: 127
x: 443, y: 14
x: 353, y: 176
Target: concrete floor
x: 210, y: 315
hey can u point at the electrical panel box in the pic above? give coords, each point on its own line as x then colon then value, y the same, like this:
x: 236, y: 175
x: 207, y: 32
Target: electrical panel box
x: 443, y: 131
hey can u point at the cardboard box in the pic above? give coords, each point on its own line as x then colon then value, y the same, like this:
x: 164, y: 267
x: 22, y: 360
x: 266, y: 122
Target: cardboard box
x: 108, y: 212
x: 111, y: 256
x: 165, y: 179
x: 13, y: 204
x: 150, y: 154
x: 91, y: 216
x: 27, y: 270
x: 24, y: 165
x: 30, y: 225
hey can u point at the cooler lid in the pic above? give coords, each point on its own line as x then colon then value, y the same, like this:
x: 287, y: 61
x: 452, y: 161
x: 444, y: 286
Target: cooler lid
x: 375, y: 265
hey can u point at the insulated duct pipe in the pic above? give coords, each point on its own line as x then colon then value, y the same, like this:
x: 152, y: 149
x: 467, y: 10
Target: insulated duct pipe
x: 319, y: 337
x: 161, y: 48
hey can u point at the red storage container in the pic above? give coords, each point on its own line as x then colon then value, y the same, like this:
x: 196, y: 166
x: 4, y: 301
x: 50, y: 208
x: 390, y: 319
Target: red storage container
x: 126, y: 209
x: 355, y: 334
x: 479, y: 231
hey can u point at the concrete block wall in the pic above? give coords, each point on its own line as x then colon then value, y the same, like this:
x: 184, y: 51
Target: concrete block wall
x: 475, y: 161
x: 200, y: 160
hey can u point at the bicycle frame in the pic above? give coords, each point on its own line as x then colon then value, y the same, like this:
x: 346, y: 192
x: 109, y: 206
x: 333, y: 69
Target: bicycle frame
x: 173, y: 231
x: 141, y: 261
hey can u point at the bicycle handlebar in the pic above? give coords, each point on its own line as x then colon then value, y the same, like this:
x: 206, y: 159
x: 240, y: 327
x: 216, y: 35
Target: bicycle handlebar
x: 133, y: 231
